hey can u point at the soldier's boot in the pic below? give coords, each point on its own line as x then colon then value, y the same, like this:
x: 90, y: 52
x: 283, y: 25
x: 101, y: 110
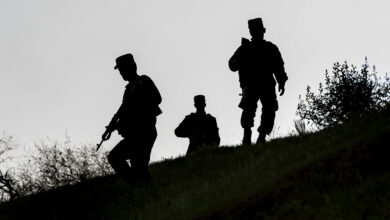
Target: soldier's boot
x: 261, y: 138
x: 246, y: 140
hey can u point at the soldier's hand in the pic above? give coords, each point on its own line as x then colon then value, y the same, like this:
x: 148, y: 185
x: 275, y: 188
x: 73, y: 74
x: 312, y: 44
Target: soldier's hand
x: 281, y: 89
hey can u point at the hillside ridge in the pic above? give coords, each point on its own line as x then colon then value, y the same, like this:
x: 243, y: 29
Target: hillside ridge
x: 331, y: 173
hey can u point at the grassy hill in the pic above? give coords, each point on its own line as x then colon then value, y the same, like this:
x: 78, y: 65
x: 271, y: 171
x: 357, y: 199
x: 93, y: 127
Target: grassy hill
x: 337, y: 173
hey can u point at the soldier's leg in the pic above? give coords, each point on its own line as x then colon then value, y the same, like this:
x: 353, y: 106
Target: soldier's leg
x: 140, y: 158
x: 118, y: 156
x: 249, y: 105
x: 269, y: 107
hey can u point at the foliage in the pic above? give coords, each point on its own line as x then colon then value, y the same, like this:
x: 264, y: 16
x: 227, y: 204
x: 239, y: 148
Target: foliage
x: 300, y: 127
x: 7, y: 181
x: 6, y: 144
x: 51, y: 166
x: 346, y: 94
x: 60, y: 165
x: 7, y: 189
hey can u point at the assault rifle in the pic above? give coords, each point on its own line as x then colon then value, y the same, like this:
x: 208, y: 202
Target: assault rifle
x: 106, y: 135
x: 110, y: 127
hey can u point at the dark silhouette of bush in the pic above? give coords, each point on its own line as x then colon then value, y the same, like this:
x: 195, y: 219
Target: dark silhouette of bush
x: 7, y: 187
x: 346, y: 94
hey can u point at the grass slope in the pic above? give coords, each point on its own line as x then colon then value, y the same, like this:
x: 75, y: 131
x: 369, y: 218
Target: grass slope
x: 336, y: 173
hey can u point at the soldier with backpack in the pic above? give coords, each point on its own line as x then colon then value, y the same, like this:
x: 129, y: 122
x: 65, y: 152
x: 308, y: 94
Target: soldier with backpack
x: 258, y: 63
x: 135, y: 121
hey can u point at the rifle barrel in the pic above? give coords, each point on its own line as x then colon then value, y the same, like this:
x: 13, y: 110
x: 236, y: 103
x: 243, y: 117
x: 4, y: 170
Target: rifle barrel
x: 99, y: 145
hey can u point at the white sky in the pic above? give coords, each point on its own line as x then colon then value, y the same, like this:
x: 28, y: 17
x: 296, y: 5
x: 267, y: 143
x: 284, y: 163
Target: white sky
x: 57, y: 59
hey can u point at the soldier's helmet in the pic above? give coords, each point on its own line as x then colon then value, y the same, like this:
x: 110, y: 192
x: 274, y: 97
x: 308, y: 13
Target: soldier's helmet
x: 126, y: 60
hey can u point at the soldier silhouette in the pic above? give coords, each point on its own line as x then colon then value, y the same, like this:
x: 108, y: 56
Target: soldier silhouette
x: 135, y: 121
x: 199, y: 127
x: 257, y: 62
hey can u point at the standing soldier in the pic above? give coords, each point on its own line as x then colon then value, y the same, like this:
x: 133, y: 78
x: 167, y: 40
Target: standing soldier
x: 135, y: 121
x: 257, y: 62
x: 199, y: 127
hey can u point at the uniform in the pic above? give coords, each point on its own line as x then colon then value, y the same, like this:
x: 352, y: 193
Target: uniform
x: 201, y: 129
x: 258, y: 63
x: 135, y: 122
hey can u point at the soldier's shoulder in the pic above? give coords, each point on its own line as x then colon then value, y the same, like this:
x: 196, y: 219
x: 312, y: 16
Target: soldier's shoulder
x: 144, y: 78
x: 271, y: 45
x: 190, y: 116
x: 210, y: 117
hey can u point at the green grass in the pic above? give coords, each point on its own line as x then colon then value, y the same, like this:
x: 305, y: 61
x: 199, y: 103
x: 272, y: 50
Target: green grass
x: 293, y: 178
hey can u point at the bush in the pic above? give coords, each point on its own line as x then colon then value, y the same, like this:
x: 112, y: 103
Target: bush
x: 300, y: 127
x: 60, y: 165
x: 6, y: 144
x: 7, y: 187
x: 346, y: 94
x: 7, y: 181
x: 51, y: 166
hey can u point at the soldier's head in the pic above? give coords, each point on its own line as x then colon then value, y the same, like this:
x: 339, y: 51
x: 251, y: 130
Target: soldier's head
x: 126, y: 66
x: 199, y: 102
x: 256, y: 28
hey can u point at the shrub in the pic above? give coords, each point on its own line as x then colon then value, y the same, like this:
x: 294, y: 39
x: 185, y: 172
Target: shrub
x: 300, y: 127
x: 50, y: 166
x: 6, y: 144
x: 7, y: 187
x: 7, y: 181
x: 346, y: 94
x: 59, y: 165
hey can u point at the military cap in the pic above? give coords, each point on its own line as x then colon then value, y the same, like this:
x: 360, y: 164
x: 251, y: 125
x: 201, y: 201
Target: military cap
x: 256, y: 22
x: 124, y: 60
x: 199, y: 99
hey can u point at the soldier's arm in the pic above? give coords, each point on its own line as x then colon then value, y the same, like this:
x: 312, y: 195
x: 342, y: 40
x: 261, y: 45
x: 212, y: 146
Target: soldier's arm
x: 156, y: 94
x: 151, y: 89
x: 215, y: 132
x: 217, y: 138
x: 279, y: 72
x: 112, y: 126
x: 151, y: 96
x: 183, y: 130
x: 233, y: 62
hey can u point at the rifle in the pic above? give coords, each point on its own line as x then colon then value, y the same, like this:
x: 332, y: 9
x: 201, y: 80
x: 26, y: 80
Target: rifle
x: 100, y: 144
x: 105, y: 136
x: 113, y: 123
x: 110, y: 128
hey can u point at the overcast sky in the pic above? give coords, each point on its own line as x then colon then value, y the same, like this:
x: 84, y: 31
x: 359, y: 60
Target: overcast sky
x: 57, y: 59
